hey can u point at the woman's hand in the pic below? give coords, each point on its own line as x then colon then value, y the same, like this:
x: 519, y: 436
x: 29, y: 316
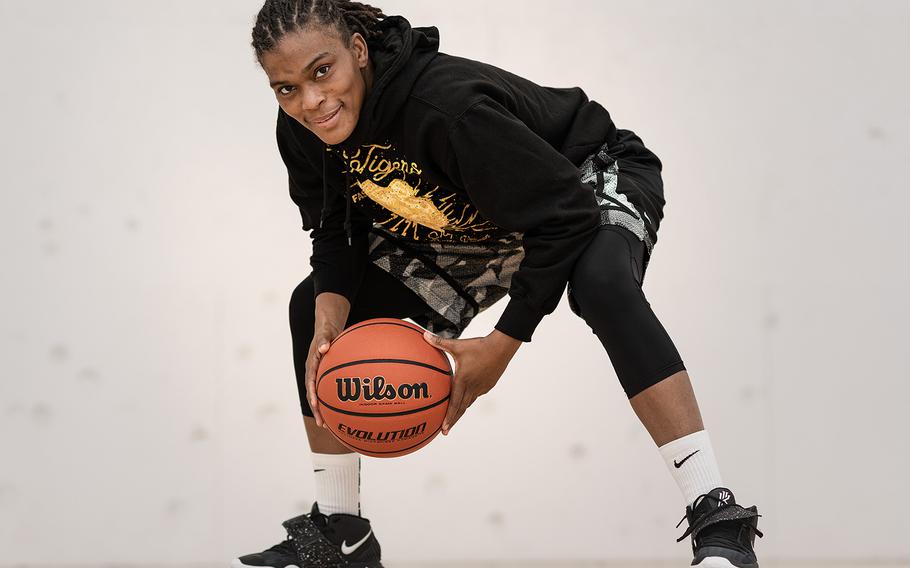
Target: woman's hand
x: 479, y: 362
x: 325, y: 334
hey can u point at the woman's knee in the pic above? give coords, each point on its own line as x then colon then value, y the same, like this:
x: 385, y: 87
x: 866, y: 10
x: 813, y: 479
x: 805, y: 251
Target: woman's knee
x: 606, y: 278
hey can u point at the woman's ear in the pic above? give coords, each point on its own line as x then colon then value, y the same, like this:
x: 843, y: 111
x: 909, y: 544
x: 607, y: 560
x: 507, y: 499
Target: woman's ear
x: 361, y: 51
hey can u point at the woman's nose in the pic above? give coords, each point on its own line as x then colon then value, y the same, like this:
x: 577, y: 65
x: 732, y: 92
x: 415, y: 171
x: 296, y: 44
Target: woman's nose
x: 311, y: 101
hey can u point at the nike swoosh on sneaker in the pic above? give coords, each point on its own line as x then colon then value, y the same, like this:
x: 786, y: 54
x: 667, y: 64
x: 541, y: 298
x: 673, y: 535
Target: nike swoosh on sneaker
x: 348, y: 550
x: 679, y: 464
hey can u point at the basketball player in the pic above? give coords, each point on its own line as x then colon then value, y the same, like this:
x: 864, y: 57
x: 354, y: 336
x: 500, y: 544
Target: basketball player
x: 435, y: 185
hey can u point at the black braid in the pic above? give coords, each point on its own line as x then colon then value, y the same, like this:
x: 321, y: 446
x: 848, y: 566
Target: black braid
x: 280, y: 17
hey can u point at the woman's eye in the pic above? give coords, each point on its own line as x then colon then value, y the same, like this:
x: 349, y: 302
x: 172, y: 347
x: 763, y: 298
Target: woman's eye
x: 282, y: 91
x: 326, y: 67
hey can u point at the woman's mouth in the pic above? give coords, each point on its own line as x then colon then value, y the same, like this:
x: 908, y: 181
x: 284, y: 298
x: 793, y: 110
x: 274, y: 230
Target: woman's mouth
x: 330, y: 120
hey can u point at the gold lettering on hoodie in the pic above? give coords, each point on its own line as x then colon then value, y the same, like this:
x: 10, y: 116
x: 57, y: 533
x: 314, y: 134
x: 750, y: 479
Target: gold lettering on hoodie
x: 395, y: 185
x: 378, y: 166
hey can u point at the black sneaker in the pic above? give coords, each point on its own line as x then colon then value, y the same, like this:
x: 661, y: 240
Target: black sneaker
x: 723, y: 532
x: 320, y: 541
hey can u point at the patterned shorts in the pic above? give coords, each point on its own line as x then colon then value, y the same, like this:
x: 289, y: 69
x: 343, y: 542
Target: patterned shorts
x: 458, y: 281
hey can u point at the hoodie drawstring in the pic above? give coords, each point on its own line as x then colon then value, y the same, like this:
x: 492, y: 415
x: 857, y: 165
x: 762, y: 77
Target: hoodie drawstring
x: 325, y: 194
x: 347, y: 201
x: 347, y: 206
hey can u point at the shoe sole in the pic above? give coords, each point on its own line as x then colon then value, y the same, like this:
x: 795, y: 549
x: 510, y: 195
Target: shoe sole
x: 718, y: 562
x: 238, y: 564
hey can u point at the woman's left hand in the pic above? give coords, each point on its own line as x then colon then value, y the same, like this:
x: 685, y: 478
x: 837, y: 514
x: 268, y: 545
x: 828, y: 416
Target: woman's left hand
x: 479, y: 362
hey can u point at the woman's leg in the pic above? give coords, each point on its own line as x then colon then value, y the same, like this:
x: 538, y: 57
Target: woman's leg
x: 337, y: 468
x: 606, y: 288
x: 668, y: 409
x: 380, y: 296
x: 648, y: 364
x: 606, y: 285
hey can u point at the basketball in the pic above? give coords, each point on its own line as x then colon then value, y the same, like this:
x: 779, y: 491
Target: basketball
x: 382, y: 389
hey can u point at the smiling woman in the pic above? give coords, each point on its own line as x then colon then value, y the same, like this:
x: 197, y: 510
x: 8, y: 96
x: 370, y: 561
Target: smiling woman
x: 441, y: 185
x: 324, y: 92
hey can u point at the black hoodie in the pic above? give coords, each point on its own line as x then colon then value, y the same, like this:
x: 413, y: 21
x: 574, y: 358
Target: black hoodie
x: 447, y: 149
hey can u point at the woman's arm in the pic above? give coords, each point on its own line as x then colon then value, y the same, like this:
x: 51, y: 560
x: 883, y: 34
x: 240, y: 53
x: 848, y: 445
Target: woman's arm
x: 338, y: 266
x: 517, y: 180
x: 331, y: 314
x: 332, y: 311
x: 521, y: 183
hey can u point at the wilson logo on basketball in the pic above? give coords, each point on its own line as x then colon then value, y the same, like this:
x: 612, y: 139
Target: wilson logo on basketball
x: 355, y: 388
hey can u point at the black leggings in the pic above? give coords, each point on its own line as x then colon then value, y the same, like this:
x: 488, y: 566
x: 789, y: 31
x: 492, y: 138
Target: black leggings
x: 606, y: 290
x: 606, y: 285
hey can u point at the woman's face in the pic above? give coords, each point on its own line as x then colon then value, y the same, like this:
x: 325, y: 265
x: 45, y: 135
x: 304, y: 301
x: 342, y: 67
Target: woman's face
x: 319, y: 81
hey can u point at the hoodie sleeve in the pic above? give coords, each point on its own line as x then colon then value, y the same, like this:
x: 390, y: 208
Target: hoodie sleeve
x: 337, y: 265
x: 521, y: 183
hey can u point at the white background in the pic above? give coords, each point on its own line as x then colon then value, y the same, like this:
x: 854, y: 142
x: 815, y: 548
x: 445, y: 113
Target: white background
x: 148, y: 411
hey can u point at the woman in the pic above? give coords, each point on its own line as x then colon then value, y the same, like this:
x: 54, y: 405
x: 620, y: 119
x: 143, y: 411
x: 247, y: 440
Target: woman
x: 435, y: 185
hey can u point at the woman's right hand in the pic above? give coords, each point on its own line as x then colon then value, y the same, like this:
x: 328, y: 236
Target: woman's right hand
x: 321, y: 340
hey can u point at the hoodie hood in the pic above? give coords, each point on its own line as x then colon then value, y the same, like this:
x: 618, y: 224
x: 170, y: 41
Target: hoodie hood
x: 399, y: 56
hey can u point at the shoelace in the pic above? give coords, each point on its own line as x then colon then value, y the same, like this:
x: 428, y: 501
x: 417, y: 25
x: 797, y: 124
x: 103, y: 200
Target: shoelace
x: 728, y: 531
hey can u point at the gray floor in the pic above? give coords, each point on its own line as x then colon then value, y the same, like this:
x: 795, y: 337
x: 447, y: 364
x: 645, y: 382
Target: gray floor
x: 643, y: 564
x: 532, y: 564
x: 640, y: 564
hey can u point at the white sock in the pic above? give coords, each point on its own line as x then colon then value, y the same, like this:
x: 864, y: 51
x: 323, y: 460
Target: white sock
x: 692, y: 464
x: 337, y: 483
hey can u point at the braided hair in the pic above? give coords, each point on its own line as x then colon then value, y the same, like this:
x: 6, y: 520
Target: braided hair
x: 277, y: 18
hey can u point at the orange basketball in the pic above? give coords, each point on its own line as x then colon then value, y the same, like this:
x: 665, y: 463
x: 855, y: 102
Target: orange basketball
x: 382, y: 389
